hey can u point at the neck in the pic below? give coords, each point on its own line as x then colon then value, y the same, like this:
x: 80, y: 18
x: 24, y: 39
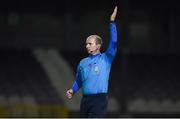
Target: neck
x: 96, y: 53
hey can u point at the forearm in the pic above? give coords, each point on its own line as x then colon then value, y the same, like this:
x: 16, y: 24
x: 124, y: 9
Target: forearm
x: 112, y: 47
x: 77, y: 84
x: 75, y: 87
x: 113, y: 32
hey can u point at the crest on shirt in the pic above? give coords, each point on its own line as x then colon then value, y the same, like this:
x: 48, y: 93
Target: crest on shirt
x: 96, y: 69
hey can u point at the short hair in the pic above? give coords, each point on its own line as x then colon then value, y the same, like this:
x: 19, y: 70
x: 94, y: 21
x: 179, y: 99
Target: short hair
x: 97, y: 38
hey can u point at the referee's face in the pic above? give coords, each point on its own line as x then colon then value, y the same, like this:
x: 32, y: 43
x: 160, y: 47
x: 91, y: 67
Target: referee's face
x: 91, y: 46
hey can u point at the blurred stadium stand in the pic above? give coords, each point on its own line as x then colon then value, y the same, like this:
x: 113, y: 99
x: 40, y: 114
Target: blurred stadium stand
x: 24, y: 85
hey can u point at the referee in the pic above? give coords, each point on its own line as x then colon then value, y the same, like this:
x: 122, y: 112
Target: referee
x: 93, y: 74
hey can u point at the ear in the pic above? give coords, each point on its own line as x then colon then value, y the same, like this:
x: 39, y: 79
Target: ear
x: 99, y: 46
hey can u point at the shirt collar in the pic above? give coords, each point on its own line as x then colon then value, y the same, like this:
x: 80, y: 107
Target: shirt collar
x: 92, y: 56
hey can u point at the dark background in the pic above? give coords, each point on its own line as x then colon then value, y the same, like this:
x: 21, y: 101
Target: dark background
x: 144, y: 26
x: 147, y: 64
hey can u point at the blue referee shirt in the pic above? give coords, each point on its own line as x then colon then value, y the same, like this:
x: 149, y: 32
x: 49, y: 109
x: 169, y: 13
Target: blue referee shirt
x: 93, y: 72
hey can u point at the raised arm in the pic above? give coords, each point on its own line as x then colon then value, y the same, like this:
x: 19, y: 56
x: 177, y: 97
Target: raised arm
x: 112, y: 48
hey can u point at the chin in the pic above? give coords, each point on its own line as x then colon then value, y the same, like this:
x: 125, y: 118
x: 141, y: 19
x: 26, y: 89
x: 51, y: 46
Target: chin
x: 90, y: 53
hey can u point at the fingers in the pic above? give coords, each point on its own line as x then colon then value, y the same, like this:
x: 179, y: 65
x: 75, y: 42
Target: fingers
x: 69, y: 94
x: 115, y: 9
x: 113, y: 16
x: 114, y: 12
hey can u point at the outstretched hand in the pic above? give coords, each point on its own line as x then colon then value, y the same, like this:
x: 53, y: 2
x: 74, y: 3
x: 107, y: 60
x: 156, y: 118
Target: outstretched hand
x: 113, y: 15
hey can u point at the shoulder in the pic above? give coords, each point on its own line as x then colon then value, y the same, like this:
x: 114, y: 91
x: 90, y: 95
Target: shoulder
x: 104, y: 56
x: 108, y: 57
x: 83, y: 61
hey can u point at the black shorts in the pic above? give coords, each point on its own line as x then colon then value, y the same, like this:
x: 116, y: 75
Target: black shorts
x: 94, y: 105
